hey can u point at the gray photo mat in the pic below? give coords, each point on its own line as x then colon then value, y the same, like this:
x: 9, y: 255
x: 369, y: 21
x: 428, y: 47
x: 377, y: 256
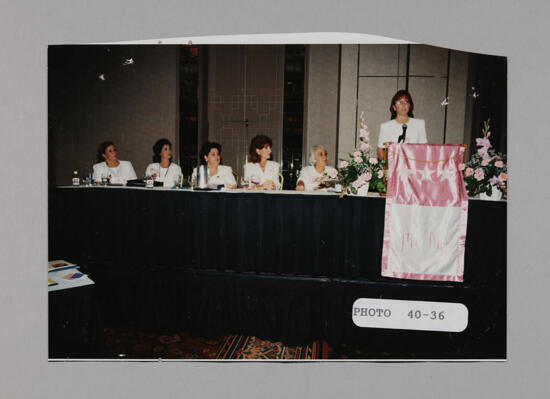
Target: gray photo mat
x: 517, y: 31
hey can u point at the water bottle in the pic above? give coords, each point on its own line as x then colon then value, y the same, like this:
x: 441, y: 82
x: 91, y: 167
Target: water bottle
x: 76, y: 178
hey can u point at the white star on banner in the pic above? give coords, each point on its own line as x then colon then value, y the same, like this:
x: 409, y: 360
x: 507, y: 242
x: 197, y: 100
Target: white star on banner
x: 426, y: 174
x: 447, y: 175
x: 405, y: 172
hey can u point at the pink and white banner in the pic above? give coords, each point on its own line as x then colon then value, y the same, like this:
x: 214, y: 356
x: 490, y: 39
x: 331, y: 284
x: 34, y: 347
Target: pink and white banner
x: 426, y: 213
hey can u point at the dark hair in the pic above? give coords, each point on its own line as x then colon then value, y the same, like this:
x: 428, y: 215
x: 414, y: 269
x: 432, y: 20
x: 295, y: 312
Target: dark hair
x: 102, y: 148
x: 257, y: 143
x: 397, y: 96
x: 205, y: 150
x: 157, y: 148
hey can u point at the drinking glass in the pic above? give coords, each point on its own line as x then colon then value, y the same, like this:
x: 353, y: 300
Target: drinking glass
x: 177, y: 180
x: 104, y: 179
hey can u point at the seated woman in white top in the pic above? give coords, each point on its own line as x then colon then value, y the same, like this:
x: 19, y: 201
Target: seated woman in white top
x: 261, y: 173
x: 210, y: 156
x: 402, y: 127
x: 163, y: 169
x: 311, y: 175
x: 118, y: 172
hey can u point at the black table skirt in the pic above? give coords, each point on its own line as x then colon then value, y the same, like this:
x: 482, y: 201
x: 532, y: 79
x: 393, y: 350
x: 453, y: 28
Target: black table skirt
x: 310, y: 235
x: 75, y: 328
x: 282, y: 267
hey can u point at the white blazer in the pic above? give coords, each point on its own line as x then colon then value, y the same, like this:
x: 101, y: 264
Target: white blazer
x: 271, y: 172
x: 224, y: 176
x: 121, y: 174
x: 391, y: 130
x: 310, y: 176
x: 167, y: 175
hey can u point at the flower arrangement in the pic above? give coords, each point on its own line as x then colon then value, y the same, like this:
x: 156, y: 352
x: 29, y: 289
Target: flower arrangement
x: 327, y: 179
x: 362, y: 168
x: 486, y: 168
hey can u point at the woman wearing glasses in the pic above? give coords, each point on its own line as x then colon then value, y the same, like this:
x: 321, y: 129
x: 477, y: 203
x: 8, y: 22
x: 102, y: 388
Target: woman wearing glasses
x: 403, y: 127
x: 310, y: 176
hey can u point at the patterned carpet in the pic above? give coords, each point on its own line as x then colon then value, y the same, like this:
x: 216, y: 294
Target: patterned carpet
x: 249, y: 347
x: 131, y: 344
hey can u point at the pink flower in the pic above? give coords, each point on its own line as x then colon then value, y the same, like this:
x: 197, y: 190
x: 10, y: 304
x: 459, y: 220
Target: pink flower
x: 357, y: 154
x: 364, y: 147
x: 358, y: 159
x: 485, y: 162
x: 500, y: 180
x: 499, y: 164
x: 332, y: 174
x: 344, y: 164
x: 484, y: 142
x: 373, y: 161
x: 469, y: 172
x: 483, y: 152
x: 461, y: 166
x: 380, y: 174
x: 497, y: 157
x: 363, y: 133
x: 478, y: 174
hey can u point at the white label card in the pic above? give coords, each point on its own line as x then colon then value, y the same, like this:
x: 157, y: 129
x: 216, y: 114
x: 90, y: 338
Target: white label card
x: 410, y: 315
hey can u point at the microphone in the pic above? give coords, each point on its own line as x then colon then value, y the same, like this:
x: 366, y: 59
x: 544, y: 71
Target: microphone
x: 401, y: 138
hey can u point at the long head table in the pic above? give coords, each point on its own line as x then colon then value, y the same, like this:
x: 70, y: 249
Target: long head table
x: 298, y: 234
x: 218, y: 261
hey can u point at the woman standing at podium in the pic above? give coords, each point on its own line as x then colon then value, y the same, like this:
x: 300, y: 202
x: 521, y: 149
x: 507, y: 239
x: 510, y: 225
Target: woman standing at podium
x: 403, y: 127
